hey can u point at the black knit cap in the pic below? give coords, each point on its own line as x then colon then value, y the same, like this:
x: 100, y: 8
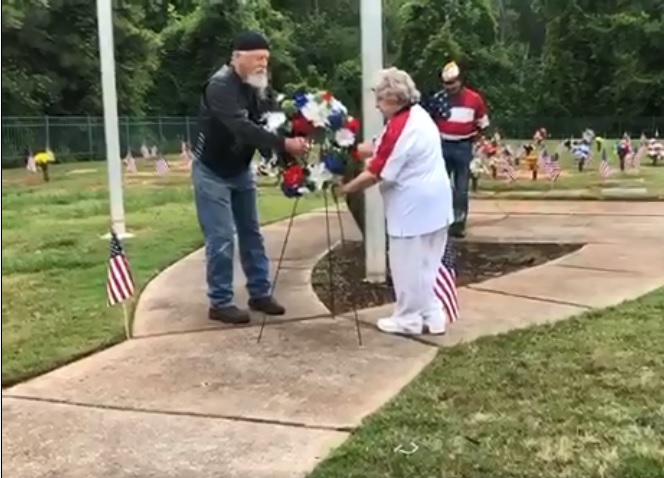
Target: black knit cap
x: 249, y: 40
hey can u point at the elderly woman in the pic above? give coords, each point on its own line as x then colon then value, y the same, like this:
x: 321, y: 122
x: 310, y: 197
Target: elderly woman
x: 407, y: 163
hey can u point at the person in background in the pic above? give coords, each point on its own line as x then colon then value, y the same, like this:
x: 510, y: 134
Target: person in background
x: 407, y: 163
x: 623, y: 149
x: 539, y: 137
x: 224, y: 185
x: 461, y: 116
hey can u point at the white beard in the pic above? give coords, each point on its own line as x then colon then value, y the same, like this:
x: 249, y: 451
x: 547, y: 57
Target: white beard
x: 259, y: 81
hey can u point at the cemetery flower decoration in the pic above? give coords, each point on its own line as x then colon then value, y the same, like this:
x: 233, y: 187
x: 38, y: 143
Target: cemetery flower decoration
x: 333, y: 134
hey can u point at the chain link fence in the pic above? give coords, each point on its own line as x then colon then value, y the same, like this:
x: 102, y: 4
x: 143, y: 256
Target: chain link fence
x: 81, y: 138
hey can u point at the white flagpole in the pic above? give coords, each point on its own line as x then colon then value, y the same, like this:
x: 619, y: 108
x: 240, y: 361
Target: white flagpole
x: 111, y: 126
x: 371, y: 26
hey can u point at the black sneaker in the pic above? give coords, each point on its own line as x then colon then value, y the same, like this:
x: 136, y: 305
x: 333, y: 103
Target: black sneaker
x: 267, y: 305
x: 229, y: 314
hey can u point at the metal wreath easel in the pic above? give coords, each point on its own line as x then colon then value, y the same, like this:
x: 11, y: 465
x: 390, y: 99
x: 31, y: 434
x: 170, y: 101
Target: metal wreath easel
x: 330, y: 262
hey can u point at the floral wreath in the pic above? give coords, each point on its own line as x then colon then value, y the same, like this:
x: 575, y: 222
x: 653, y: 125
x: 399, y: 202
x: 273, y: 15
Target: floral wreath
x: 324, y: 121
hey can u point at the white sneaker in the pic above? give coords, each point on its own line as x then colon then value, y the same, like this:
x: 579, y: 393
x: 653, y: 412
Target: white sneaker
x: 393, y: 325
x: 435, y: 328
x: 435, y: 325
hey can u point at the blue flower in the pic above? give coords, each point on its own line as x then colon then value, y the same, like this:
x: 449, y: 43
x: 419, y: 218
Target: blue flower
x: 300, y: 100
x: 333, y: 163
x: 290, y: 191
x: 336, y: 121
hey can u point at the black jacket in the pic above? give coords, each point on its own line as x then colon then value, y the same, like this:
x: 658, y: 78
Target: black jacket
x: 229, y: 130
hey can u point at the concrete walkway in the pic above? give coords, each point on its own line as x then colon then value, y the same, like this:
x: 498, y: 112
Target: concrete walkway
x: 190, y: 398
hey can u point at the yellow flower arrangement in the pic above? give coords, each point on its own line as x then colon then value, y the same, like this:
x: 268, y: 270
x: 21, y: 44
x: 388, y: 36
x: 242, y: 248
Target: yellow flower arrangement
x: 44, y: 158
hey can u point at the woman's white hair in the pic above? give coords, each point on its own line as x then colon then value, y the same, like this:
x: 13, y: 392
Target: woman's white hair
x: 397, y: 83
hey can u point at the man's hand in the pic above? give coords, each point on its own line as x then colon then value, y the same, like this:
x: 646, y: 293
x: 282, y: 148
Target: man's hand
x: 296, y: 146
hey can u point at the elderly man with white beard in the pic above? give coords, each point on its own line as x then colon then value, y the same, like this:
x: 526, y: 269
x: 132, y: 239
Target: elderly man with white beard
x: 224, y: 185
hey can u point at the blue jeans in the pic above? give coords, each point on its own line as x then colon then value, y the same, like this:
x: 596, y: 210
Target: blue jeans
x: 225, y: 206
x: 458, y: 156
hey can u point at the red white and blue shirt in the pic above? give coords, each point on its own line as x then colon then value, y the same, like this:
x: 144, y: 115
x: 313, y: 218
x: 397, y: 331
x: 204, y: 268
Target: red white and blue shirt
x: 458, y: 117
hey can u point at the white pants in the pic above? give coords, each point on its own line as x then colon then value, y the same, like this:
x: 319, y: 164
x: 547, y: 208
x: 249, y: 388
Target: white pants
x: 414, y: 263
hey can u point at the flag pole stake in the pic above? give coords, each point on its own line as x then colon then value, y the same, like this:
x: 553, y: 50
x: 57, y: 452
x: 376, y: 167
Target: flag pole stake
x: 127, y: 324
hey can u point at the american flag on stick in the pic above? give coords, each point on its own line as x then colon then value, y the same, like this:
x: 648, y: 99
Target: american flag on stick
x: 554, y: 169
x: 604, y: 166
x: 130, y: 163
x: 120, y: 285
x: 634, y: 158
x: 161, y: 166
x: 32, y: 164
x: 509, y: 171
x: 544, y: 161
x: 445, y: 285
x: 185, y: 154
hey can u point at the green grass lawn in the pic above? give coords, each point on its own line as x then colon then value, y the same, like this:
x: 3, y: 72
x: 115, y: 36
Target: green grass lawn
x: 647, y: 176
x: 580, y: 399
x: 54, y: 260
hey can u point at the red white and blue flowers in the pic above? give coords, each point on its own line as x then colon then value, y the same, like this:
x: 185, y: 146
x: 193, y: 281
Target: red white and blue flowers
x: 332, y: 132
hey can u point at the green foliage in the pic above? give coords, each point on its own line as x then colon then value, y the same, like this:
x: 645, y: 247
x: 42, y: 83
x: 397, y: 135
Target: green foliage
x: 543, y: 57
x: 50, y: 58
x: 565, y: 58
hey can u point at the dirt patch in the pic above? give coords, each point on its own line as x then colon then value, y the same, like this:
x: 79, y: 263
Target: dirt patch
x: 476, y: 262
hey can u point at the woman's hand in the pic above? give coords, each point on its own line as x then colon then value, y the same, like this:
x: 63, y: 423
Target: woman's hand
x: 338, y: 191
x: 365, y: 150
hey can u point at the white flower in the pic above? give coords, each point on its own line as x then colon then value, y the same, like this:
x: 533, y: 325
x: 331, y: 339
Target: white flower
x: 476, y: 166
x: 319, y: 175
x: 274, y: 121
x: 337, y: 106
x: 313, y: 112
x: 344, y: 137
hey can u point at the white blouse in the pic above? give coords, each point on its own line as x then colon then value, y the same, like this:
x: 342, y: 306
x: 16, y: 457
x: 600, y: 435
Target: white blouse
x: 416, y: 189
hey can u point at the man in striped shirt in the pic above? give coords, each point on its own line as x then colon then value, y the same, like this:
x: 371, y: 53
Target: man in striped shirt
x: 461, y: 116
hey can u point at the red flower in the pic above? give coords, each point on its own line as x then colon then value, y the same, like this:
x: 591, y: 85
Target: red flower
x: 490, y: 149
x: 353, y: 124
x: 355, y: 154
x: 293, y: 176
x: 327, y: 96
x: 301, y: 126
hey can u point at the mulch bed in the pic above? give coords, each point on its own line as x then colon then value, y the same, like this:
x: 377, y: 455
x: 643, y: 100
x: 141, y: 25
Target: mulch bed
x: 476, y: 262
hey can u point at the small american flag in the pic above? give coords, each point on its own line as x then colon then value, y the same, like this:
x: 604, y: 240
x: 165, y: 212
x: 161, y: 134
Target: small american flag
x: 120, y: 285
x: 130, y: 163
x: 635, y: 157
x: 32, y: 164
x: 445, y: 285
x: 185, y: 154
x: 510, y: 172
x: 554, y: 169
x: 604, y: 166
x: 545, y: 161
x: 161, y: 166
